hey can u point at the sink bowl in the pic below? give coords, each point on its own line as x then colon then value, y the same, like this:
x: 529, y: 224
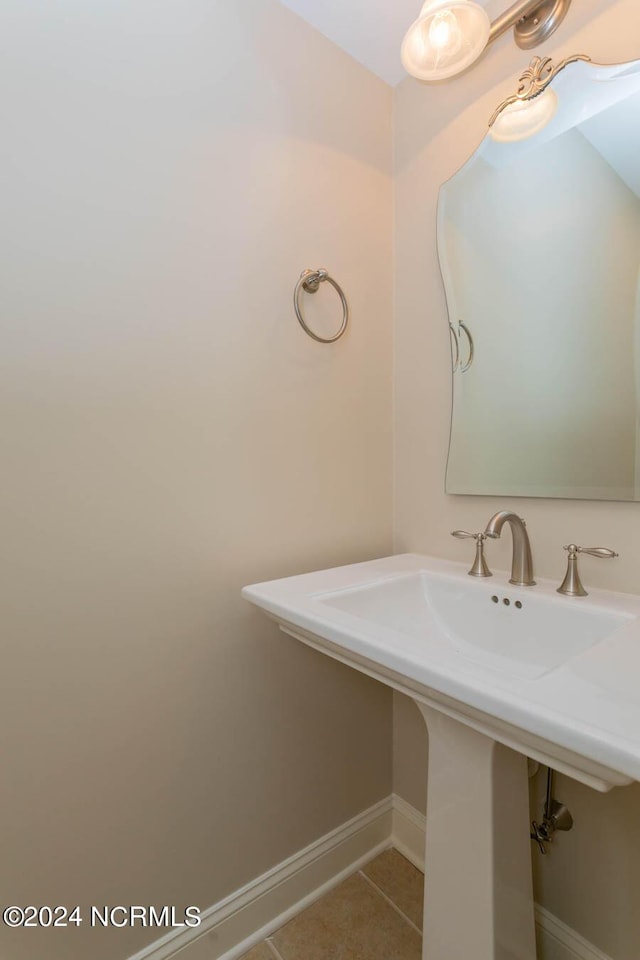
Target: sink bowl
x: 510, y: 629
x: 555, y: 678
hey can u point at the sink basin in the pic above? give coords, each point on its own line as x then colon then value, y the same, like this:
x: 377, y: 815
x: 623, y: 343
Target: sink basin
x: 555, y: 678
x: 499, y: 673
x: 510, y: 629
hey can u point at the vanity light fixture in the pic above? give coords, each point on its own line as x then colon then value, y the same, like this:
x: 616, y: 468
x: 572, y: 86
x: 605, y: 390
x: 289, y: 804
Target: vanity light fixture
x: 450, y: 35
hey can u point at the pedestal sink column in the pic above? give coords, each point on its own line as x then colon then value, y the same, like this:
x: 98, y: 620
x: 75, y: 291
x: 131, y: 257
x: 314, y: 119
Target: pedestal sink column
x: 478, y: 901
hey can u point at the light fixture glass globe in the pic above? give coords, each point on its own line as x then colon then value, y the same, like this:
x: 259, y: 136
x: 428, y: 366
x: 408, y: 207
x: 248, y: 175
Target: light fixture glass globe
x: 447, y: 37
x: 525, y: 117
x: 444, y: 32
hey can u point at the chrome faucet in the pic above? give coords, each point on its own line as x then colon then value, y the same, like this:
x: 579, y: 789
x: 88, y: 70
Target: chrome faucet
x: 521, y: 564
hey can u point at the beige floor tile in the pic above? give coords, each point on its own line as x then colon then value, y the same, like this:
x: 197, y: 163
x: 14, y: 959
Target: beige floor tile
x: 259, y: 952
x: 352, y: 922
x: 400, y: 881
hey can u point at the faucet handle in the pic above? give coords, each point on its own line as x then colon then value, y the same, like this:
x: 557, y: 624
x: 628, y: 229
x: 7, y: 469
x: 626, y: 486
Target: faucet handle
x: 479, y: 568
x: 603, y: 552
x: 571, y: 586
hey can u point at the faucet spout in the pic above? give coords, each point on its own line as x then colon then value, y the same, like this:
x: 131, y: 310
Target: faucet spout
x: 521, y: 563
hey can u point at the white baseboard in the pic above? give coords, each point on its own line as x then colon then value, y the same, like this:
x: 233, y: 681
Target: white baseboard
x: 231, y: 927
x: 408, y: 831
x: 557, y: 941
x: 235, y: 924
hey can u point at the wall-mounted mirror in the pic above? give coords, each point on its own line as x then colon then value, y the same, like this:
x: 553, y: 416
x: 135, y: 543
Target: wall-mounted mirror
x: 539, y: 244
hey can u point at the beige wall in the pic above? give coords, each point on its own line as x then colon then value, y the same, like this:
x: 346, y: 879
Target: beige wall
x: 171, y: 434
x: 592, y: 879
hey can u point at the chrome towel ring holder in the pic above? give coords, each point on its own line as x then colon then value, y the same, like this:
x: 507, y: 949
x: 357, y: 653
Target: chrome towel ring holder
x: 310, y: 281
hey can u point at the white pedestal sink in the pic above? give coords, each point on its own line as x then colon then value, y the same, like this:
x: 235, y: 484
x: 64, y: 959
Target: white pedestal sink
x: 499, y: 673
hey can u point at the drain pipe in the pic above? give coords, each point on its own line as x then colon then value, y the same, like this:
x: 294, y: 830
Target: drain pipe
x: 555, y: 816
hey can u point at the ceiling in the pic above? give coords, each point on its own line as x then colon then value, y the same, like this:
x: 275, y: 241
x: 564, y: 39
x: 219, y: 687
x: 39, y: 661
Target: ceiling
x: 371, y: 31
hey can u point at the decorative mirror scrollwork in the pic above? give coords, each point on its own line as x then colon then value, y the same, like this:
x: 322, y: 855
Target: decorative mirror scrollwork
x: 535, y: 79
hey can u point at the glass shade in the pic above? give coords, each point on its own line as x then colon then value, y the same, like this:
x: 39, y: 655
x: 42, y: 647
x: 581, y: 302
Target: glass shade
x: 447, y: 37
x: 525, y: 117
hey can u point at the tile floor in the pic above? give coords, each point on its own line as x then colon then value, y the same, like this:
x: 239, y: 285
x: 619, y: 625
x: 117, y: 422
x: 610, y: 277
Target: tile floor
x: 375, y: 914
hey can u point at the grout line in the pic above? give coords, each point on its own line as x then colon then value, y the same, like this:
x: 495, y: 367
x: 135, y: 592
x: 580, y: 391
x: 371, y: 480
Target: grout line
x: 390, y: 901
x: 269, y: 942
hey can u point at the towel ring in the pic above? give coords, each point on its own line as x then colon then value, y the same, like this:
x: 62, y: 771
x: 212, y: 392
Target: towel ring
x: 310, y: 281
x: 466, y: 366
